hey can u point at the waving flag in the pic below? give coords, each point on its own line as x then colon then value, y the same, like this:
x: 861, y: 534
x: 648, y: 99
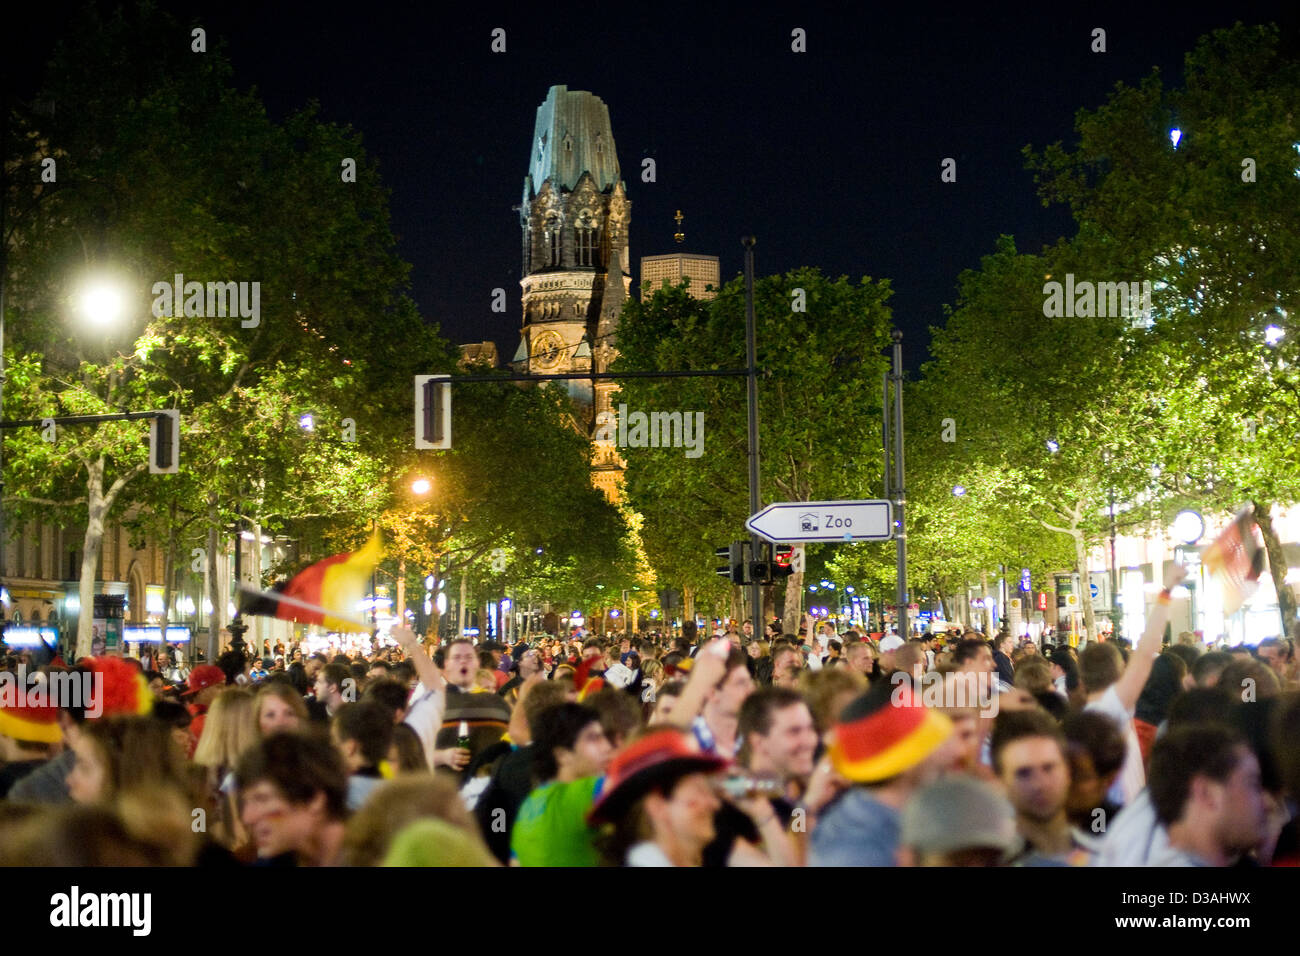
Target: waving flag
x: 327, y: 593
x: 1236, y: 560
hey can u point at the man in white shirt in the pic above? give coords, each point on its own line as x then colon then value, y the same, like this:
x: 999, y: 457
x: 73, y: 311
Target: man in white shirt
x: 429, y: 699
x: 1113, y: 688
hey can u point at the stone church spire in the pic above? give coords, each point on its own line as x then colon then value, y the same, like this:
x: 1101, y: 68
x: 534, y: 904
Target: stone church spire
x: 574, y: 217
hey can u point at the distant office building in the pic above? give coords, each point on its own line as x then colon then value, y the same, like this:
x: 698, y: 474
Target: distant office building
x: 476, y: 353
x: 703, y: 271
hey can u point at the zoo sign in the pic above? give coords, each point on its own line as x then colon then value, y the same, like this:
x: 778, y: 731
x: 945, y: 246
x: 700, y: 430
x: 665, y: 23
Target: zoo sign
x: 790, y: 522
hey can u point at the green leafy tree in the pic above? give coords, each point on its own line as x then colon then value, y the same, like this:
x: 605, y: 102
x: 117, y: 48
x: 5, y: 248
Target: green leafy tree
x: 820, y: 346
x: 1213, y: 222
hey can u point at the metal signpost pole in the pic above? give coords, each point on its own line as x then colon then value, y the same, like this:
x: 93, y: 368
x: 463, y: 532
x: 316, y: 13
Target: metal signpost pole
x: 751, y: 364
x: 900, y: 497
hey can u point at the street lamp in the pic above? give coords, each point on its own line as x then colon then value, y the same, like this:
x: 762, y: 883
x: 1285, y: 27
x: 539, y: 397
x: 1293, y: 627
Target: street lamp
x: 101, y: 302
x: 421, y: 486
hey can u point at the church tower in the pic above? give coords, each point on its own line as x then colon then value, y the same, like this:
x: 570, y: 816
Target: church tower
x: 575, y: 216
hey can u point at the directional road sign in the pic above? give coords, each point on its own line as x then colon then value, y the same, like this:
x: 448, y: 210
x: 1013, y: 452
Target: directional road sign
x: 841, y: 521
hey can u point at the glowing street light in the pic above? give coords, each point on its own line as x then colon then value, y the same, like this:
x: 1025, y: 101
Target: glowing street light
x: 959, y: 490
x: 1273, y: 334
x: 1175, y: 136
x: 101, y: 303
x: 421, y: 486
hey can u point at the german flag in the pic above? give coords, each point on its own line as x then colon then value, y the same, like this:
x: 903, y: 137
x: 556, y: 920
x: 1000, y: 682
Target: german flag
x: 326, y: 594
x: 1237, y: 560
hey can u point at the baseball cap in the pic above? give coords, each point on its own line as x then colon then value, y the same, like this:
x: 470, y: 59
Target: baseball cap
x: 204, y: 676
x: 891, y: 643
x: 958, y: 812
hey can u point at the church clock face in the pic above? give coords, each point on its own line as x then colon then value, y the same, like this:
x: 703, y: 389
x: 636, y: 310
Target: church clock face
x: 548, y: 348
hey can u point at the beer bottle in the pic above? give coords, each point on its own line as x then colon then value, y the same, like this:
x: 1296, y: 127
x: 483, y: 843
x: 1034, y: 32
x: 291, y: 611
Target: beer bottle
x: 462, y: 735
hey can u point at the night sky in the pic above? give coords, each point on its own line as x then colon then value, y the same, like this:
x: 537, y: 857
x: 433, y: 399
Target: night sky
x: 830, y: 157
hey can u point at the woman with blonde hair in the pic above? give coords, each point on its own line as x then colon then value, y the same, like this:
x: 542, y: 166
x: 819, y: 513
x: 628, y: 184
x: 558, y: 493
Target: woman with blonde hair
x: 398, y: 803
x: 278, y: 708
x: 230, y: 730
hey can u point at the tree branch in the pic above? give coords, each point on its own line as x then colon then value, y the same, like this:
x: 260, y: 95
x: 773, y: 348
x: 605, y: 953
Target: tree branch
x: 14, y: 499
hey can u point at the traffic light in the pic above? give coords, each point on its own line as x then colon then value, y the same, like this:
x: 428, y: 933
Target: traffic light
x: 782, y: 562
x: 165, y: 443
x: 433, y: 411
x: 767, y: 567
x: 736, y: 555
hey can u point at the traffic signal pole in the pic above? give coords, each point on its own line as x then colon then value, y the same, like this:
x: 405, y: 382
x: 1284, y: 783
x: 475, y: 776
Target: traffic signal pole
x: 751, y: 380
x: 894, y: 476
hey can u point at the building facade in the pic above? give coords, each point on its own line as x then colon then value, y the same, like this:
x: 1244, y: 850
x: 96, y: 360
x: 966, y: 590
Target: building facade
x: 703, y: 271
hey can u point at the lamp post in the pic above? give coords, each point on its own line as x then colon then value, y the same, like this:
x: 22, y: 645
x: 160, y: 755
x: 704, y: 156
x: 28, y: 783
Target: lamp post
x: 237, y: 626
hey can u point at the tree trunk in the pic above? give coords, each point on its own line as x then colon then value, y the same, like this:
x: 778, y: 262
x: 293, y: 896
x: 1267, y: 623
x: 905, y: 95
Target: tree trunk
x: 1276, y: 566
x: 988, y: 611
x: 254, y: 574
x: 98, y: 503
x: 1085, y: 585
x: 460, y: 607
x: 400, y: 608
x: 688, y: 604
x: 216, y: 619
x: 793, y: 604
x: 96, y: 508
x: 737, y: 602
x: 169, y: 568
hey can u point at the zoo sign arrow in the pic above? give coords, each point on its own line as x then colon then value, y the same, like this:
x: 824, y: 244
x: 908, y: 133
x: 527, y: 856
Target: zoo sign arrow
x: 790, y: 522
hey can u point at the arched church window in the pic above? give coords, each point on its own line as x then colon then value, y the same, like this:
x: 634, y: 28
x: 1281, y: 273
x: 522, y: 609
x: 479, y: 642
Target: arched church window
x: 553, y: 240
x: 588, y: 237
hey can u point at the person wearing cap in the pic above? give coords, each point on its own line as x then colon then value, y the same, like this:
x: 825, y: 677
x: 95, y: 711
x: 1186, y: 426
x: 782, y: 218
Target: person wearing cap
x: 888, y: 645
x: 29, y: 732
x: 886, y: 746
x: 116, y: 687
x: 957, y: 821
x: 205, y: 683
x: 660, y: 798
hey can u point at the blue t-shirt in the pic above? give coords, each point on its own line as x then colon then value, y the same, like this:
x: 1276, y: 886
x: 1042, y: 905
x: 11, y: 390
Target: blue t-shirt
x: 856, y: 830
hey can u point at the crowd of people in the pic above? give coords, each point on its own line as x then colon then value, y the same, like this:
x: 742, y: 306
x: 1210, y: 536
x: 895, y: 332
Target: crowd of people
x: 823, y: 748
